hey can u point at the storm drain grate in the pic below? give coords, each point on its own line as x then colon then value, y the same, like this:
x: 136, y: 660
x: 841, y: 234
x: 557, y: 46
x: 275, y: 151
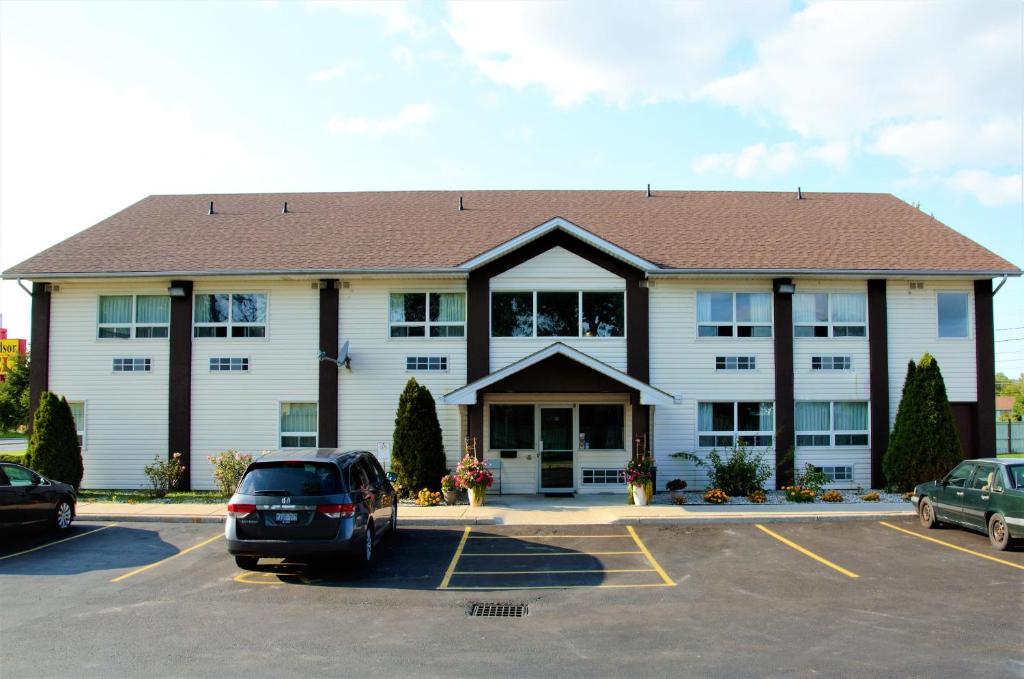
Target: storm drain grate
x: 498, y: 611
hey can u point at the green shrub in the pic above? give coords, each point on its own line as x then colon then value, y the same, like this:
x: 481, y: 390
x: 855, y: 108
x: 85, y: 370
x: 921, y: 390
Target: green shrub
x: 164, y: 475
x: 924, y: 444
x: 16, y: 459
x: 740, y: 473
x: 812, y: 479
x: 53, y: 447
x: 417, y: 451
x: 228, y: 467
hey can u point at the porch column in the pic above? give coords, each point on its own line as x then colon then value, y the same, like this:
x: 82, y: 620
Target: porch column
x: 476, y: 426
x: 327, y: 426
x: 640, y: 422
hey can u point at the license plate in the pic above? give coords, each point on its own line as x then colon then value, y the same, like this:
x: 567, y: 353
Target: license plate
x: 286, y: 517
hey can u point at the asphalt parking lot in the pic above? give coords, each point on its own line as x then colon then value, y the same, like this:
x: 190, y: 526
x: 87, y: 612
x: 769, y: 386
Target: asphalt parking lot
x: 857, y: 599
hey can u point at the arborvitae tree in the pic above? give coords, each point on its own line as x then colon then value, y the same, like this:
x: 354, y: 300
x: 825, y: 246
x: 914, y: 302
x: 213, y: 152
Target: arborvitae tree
x: 417, y: 451
x: 924, y: 444
x: 53, y: 447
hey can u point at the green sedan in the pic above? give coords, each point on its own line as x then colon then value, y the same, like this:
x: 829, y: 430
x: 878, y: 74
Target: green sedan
x: 986, y: 495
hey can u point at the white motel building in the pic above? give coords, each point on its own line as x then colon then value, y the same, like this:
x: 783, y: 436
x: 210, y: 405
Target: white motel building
x: 559, y: 331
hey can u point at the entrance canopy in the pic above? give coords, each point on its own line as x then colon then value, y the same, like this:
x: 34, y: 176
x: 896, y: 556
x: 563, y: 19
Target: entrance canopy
x: 558, y: 368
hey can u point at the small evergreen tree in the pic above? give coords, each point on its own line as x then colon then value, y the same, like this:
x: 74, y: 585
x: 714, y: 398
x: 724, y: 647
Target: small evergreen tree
x: 417, y: 451
x: 53, y: 447
x: 924, y: 444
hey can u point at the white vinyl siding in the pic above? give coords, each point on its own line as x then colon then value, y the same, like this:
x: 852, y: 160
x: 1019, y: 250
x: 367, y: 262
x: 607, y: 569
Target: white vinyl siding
x: 123, y: 417
x: 557, y: 270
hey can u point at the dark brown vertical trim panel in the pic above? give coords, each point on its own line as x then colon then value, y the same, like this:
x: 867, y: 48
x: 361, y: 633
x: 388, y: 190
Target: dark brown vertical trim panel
x: 478, y: 331
x: 179, y: 384
x: 878, y: 348
x: 638, y: 327
x: 476, y: 427
x: 985, y: 359
x: 327, y: 412
x: 39, y: 370
x: 785, y: 440
x: 640, y: 423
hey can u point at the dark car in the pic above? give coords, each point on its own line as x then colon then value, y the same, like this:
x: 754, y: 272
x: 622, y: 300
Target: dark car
x: 986, y: 495
x: 310, y: 506
x: 28, y: 499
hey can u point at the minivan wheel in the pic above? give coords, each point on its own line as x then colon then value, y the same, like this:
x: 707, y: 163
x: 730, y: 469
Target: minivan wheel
x: 368, y: 539
x: 64, y: 515
x: 246, y: 563
x: 926, y: 512
x: 998, y: 533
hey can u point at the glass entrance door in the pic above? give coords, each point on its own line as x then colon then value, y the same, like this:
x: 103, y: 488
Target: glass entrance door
x: 556, y: 452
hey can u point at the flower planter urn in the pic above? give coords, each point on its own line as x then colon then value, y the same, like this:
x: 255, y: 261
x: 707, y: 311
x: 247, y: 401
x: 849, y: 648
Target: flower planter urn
x: 476, y: 496
x: 451, y: 497
x: 640, y: 497
x: 677, y: 496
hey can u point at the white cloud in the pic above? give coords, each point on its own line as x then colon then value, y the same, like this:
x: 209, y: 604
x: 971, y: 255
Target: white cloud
x: 938, y: 144
x: 615, y: 51
x: 403, y: 56
x: 399, y: 17
x: 411, y: 116
x: 761, y: 159
x: 991, y: 190
x: 339, y: 71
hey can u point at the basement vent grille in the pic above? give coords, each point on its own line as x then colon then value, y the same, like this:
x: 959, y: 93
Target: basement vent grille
x: 498, y: 611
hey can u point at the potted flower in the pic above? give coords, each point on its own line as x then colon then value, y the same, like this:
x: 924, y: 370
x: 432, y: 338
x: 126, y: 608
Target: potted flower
x: 675, y: 490
x: 474, y: 476
x: 450, y: 489
x: 640, y: 478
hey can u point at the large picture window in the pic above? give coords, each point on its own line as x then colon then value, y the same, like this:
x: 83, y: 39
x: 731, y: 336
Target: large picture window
x: 139, y: 316
x: 952, y: 310
x: 734, y: 314
x: 511, y: 427
x: 427, y: 314
x: 237, y: 314
x: 723, y: 425
x: 602, y: 426
x: 823, y: 314
x: 298, y: 425
x: 558, y: 314
x: 828, y: 424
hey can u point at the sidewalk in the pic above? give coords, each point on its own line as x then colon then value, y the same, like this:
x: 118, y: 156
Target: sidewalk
x: 526, y: 510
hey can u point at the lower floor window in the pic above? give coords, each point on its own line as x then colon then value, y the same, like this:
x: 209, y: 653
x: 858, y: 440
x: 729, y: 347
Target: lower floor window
x: 511, y: 427
x: 595, y: 477
x: 837, y: 473
x: 602, y: 426
x: 432, y: 363
x: 129, y: 365
x: 78, y: 413
x: 831, y: 423
x: 746, y: 423
x: 298, y: 425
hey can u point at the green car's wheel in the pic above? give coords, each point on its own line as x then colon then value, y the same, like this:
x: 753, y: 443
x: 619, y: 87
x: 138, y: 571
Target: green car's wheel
x: 926, y: 512
x: 998, y: 533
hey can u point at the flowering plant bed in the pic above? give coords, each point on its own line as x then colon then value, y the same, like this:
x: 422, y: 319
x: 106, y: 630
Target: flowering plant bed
x: 473, y: 473
x: 778, y: 497
x: 428, y: 498
x: 799, y: 494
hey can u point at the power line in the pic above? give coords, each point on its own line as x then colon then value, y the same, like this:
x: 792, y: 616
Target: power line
x: 1019, y: 327
x: 1011, y: 339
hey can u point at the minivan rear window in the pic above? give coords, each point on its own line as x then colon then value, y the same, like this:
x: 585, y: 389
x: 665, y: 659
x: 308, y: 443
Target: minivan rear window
x: 291, y: 478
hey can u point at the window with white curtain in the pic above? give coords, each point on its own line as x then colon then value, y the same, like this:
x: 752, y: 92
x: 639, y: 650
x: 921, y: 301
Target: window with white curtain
x: 746, y: 423
x: 236, y: 314
x: 831, y: 423
x: 734, y: 314
x: 952, y: 312
x: 824, y: 314
x: 298, y: 425
x: 139, y: 316
x: 427, y: 314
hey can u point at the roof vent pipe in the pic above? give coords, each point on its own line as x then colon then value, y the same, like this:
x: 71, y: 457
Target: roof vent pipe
x: 460, y: 204
x: 799, y: 194
x: 284, y: 210
x: 210, y: 212
x: 648, y: 190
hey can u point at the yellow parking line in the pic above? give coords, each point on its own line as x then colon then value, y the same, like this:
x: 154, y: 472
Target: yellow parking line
x: 646, y: 552
x: 545, y: 553
x: 542, y: 537
x: 807, y: 552
x: 245, y: 576
x: 455, y: 559
x: 952, y: 546
x: 57, y: 542
x: 591, y: 570
x: 162, y: 561
x: 499, y: 587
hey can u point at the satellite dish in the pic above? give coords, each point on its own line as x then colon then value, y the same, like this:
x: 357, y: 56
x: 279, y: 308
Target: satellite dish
x: 343, y: 352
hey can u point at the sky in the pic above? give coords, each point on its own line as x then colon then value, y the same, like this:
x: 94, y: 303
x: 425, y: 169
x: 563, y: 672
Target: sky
x: 102, y: 104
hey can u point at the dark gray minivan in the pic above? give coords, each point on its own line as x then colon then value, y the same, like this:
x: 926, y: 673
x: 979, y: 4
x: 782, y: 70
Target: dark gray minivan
x: 310, y: 505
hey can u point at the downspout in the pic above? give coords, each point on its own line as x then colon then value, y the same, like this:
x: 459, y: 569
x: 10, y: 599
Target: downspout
x: 29, y: 292
x: 1001, y: 284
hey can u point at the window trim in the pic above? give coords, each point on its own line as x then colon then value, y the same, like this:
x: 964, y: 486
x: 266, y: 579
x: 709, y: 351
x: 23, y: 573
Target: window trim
x: 281, y: 432
x: 133, y: 325
x: 579, y: 314
x: 735, y: 433
x: 938, y: 325
x: 734, y: 323
x: 426, y: 323
x: 830, y: 325
x: 832, y: 431
x: 147, y: 364
x: 230, y: 323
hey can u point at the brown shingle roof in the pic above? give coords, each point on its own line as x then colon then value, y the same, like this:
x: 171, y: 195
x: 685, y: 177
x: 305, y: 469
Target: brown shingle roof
x: 425, y: 230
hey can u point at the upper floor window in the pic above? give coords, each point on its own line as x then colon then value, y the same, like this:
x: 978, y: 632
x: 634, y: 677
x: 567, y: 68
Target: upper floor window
x: 140, y: 316
x: 723, y: 425
x: 836, y: 423
x: 427, y: 314
x: 823, y: 314
x: 298, y: 425
x: 734, y: 314
x: 952, y: 309
x: 558, y: 314
x: 238, y: 314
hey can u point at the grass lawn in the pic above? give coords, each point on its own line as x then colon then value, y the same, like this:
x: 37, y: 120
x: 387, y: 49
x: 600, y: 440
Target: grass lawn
x: 1011, y: 454
x: 197, y: 497
x: 5, y: 434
